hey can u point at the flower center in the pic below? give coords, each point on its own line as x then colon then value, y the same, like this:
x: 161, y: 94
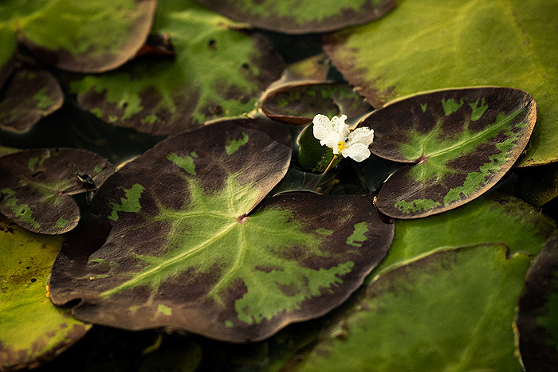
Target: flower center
x: 341, y: 146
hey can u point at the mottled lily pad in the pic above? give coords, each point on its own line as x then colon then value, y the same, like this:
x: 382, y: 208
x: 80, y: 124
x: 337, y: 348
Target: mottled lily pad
x: 436, y: 44
x: 451, y: 310
x: 297, y: 104
x: 187, y: 250
x: 537, y: 319
x: 302, y: 16
x: 492, y: 218
x: 32, y: 330
x: 460, y: 142
x: 72, y: 35
x: 29, y: 96
x: 37, y: 185
x: 217, y: 72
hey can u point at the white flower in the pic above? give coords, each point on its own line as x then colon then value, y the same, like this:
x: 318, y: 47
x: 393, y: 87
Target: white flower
x: 335, y: 134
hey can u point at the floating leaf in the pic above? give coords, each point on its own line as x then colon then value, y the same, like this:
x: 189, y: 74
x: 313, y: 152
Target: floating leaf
x: 492, y: 218
x: 537, y: 319
x: 188, y: 250
x: 71, y: 35
x: 32, y: 330
x: 217, y: 72
x: 451, y: 310
x: 36, y: 186
x: 435, y: 44
x: 28, y: 97
x: 298, y: 104
x: 302, y: 16
x: 459, y: 142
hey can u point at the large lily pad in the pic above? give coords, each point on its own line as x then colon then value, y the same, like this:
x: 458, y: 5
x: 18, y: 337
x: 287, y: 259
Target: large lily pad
x: 459, y: 142
x: 492, y: 218
x: 451, y: 310
x: 434, y: 44
x: 37, y: 185
x: 31, y: 328
x: 29, y: 96
x: 537, y: 319
x: 68, y: 34
x: 297, y: 104
x: 302, y: 16
x: 188, y: 250
x: 217, y: 72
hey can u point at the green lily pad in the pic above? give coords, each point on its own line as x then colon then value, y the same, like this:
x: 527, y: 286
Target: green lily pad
x: 435, y: 44
x: 492, y: 218
x: 72, y: 35
x: 32, y: 330
x: 28, y: 97
x: 537, y: 319
x: 459, y: 142
x: 217, y: 72
x: 297, y: 104
x: 302, y: 16
x: 192, y: 248
x: 451, y: 310
x: 37, y: 185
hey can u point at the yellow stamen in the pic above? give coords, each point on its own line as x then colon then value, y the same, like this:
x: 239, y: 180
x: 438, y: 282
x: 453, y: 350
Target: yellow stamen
x: 341, y: 146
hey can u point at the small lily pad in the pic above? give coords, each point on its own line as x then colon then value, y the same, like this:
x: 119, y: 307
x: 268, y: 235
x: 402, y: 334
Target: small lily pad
x: 459, y: 143
x: 537, y: 319
x: 217, y: 72
x: 302, y: 16
x: 297, y: 104
x: 32, y: 330
x: 192, y: 248
x: 37, y: 185
x: 450, y: 310
x: 29, y: 96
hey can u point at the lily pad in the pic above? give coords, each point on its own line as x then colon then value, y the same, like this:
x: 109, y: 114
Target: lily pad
x: 435, y: 44
x: 302, y: 16
x: 460, y: 142
x: 67, y: 34
x: 37, y: 185
x: 29, y: 96
x: 537, y: 319
x: 191, y: 247
x: 492, y: 218
x: 32, y: 330
x: 451, y: 310
x: 217, y: 72
x: 297, y: 104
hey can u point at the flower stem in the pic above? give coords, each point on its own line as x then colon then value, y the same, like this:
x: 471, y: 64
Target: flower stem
x: 330, y: 165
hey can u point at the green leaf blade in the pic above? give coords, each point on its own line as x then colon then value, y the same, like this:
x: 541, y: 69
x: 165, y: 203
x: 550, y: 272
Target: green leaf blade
x: 459, y: 51
x: 449, y: 310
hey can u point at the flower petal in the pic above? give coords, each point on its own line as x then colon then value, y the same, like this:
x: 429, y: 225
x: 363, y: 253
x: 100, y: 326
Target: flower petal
x: 322, y: 126
x: 356, y: 151
x: 361, y: 135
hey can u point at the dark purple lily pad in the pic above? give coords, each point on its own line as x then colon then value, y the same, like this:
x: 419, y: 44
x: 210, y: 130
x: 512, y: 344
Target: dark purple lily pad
x: 187, y: 250
x: 301, y: 16
x: 458, y: 142
x: 36, y: 186
x: 29, y: 96
x: 298, y: 104
x: 537, y: 319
